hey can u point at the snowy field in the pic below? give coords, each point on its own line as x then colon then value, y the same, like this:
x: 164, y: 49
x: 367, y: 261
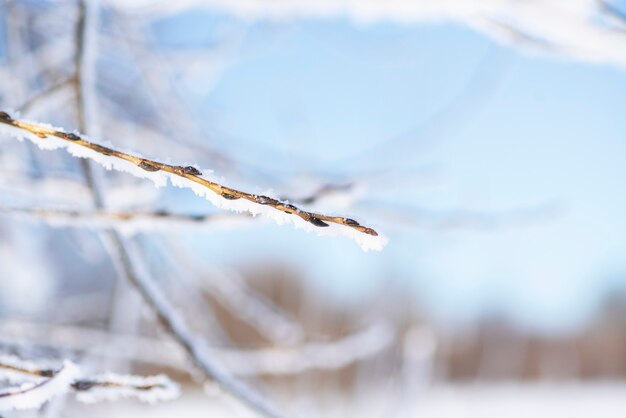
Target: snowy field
x: 569, y: 400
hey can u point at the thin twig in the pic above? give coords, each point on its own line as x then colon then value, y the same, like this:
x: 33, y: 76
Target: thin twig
x: 33, y: 395
x: 187, y: 172
x: 126, y: 220
x: 175, y: 324
x: 231, y: 291
x: 44, y: 94
x: 139, y: 385
x: 328, y: 354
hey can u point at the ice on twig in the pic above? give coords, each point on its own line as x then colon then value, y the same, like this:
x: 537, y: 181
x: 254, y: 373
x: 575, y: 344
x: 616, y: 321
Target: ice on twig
x: 34, y: 384
x: 112, y: 387
x: 32, y: 395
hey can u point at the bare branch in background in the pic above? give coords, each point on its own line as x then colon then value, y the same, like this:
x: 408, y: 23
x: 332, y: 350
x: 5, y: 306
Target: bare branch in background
x: 124, y: 261
x: 331, y: 354
x: 614, y: 11
x: 42, y: 384
x: 230, y: 290
x: 328, y: 355
x: 48, y: 94
x: 569, y: 28
x: 128, y: 222
x: 177, y: 326
x: 43, y: 189
x: 34, y: 395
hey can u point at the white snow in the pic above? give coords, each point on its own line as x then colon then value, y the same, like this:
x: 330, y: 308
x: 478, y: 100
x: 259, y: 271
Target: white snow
x: 15, y: 376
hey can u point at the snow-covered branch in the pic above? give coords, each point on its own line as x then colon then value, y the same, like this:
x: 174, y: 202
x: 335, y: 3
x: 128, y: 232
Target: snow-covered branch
x: 231, y: 291
x: 32, y: 395
x: 111, y: 387
x: 49, y: 137
x: 331, y: 354
x: 579, y: 29
x: 328, y: 355
x: 38, y: 384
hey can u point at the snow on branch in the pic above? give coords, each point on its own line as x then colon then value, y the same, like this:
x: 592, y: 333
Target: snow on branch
x: 330, y: 354
x: 253, y: 308
x: 31, y: 395
x: 111, y: 387
x: 40, y: 384
x: 48, y: 137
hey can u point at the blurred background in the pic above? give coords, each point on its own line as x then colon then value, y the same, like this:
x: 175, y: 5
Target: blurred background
x: 486, y: 140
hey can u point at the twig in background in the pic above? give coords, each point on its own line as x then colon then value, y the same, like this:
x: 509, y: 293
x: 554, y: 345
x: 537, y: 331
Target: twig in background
x: 232, y: 292
x: 172, y: 111
x: 195, y: 347
x: 126, y: 263
x: 331, y: 354
x: 34, y: 395
x: 572, y: 26
x: 43, y: 189
x: 41, y: 384
x: 127, y: 222
x: 46, y: 94
x: 327, y: 355
x: 612, y: 9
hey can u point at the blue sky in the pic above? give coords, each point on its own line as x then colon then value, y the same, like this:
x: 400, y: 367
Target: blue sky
x: 494, y: 130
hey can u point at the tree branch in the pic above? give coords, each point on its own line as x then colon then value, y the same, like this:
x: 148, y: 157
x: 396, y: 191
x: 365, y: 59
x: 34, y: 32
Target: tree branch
x: 125, y: 221
x: 182, y: 176
x: 108, y: 386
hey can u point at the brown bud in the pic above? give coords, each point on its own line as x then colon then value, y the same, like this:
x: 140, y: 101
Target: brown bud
x: 147, y: 166
x: 191, y: 171
x: 317, y: 222
x: 47, y: 373
x: 265, y: 200
x: 83, y: 385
